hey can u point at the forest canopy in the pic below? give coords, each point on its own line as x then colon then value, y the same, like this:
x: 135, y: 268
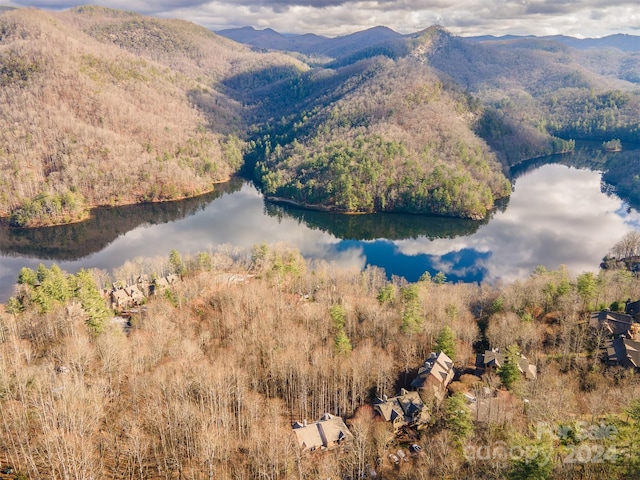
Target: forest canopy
x: 191, y: 385
x: 104, y: 107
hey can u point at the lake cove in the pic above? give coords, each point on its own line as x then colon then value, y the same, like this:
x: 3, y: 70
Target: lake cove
x: 558, y: 214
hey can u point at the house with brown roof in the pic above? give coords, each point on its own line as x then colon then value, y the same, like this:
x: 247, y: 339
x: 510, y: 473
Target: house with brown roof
x: 404, y: 409
x: 126, y: 297
x: 136, y: 295
x: 120, y: 299
x: 161, y: 283
x: 435, y: 375
x: 328, y: 432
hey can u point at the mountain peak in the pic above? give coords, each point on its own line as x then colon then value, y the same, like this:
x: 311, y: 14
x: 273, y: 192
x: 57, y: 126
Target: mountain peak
x: 428, y: 40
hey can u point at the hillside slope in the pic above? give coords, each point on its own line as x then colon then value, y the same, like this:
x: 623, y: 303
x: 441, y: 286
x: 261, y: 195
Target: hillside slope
x: 101, y: 107
x: 534, y: 89
x: 397, y: 139
x: 107, y: 107
x: 207, y: 379
x: 619, y: 41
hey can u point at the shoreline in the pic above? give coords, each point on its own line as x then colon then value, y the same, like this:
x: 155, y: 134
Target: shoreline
x: 326, y: 209
x: 314, y: 207
x: 4, y: 220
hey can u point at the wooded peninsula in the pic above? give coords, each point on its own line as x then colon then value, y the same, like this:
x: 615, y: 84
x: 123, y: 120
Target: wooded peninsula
x: 258, y: 364
x: 104, y: 107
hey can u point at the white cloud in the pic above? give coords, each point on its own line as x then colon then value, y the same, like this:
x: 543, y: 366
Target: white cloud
x: 581, y: 18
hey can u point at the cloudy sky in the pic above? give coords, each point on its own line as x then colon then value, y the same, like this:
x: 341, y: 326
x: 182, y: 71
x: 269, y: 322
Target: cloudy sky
x: 580, y: 18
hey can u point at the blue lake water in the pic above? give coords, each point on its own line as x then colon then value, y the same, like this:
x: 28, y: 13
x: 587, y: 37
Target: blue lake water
x: 556, y: 215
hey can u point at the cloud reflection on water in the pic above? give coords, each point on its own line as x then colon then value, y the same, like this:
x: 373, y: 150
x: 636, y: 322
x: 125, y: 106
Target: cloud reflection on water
x: 556, y: 215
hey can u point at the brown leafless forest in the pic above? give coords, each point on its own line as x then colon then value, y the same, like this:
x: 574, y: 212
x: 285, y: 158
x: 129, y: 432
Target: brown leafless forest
x: 209, y: 377
x: 91, y: 119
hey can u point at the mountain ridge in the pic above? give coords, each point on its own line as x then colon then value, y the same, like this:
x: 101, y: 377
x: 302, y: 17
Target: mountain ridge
x: 248, y: 35
x: 108, y: 107
x: 621, y: 41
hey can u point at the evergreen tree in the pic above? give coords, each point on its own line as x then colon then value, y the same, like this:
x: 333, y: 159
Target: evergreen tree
x: 27, y: 277
x: 425, y: 277
x: 387, y: 294
x: 439, y: 278
x: 587, y: 288
x: 342, y: 343
x: 446, y: 342
x: 458, y: 417
x: 535, y: 463
x: 509, y: 372
x: 175, y: 260
x: 411, y: 316
x: 56, y: 284
x: 92, y: 302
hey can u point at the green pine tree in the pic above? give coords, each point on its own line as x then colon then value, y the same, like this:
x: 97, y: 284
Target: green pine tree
x: 446, y: 342
x: 509, y: 372
x: 93, y: 304
x: 342, y: 344
x: 175, y: 260
x: 458, y: 417
x: 411, y: 315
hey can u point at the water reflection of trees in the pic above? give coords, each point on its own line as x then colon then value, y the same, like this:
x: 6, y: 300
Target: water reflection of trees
x: 390, y: 226
x: 585, y: 157
x: 623, y: 174
x: 620, y: 170
x: 75, y: 241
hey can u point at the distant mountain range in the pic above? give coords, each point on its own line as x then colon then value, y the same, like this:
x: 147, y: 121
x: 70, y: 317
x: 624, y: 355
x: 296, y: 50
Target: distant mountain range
x: 311, y: 44
x: 623, y: 42
x: 317, y: 46
x: 108, y: 107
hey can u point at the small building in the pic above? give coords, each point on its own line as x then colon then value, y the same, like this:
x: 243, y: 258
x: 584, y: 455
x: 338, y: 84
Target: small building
x: 162, y: 283
x: 404, y: 409
x: 136, y: 295
x: 127, y: 297
x: 120, y: 299
x: 435, y: 375
x: 495, y: 359
x: 328, y: 432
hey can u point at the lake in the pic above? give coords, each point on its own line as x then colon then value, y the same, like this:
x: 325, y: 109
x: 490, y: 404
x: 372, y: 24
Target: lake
x: 557, y: 214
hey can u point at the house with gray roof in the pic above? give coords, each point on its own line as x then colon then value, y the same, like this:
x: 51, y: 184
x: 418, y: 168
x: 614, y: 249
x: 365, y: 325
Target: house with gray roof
x: 495, y: 359
x: 327, y: 433
x: 623, y: 351
x: 613, y: 323
x: 404, y: 409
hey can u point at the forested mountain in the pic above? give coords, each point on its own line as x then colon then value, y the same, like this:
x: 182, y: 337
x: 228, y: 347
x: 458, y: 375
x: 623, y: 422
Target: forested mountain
x: 103, y: 107
x: 106, y: 107
x: 623, y: 42
x: 397, y: 140
x: 534, y: 89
